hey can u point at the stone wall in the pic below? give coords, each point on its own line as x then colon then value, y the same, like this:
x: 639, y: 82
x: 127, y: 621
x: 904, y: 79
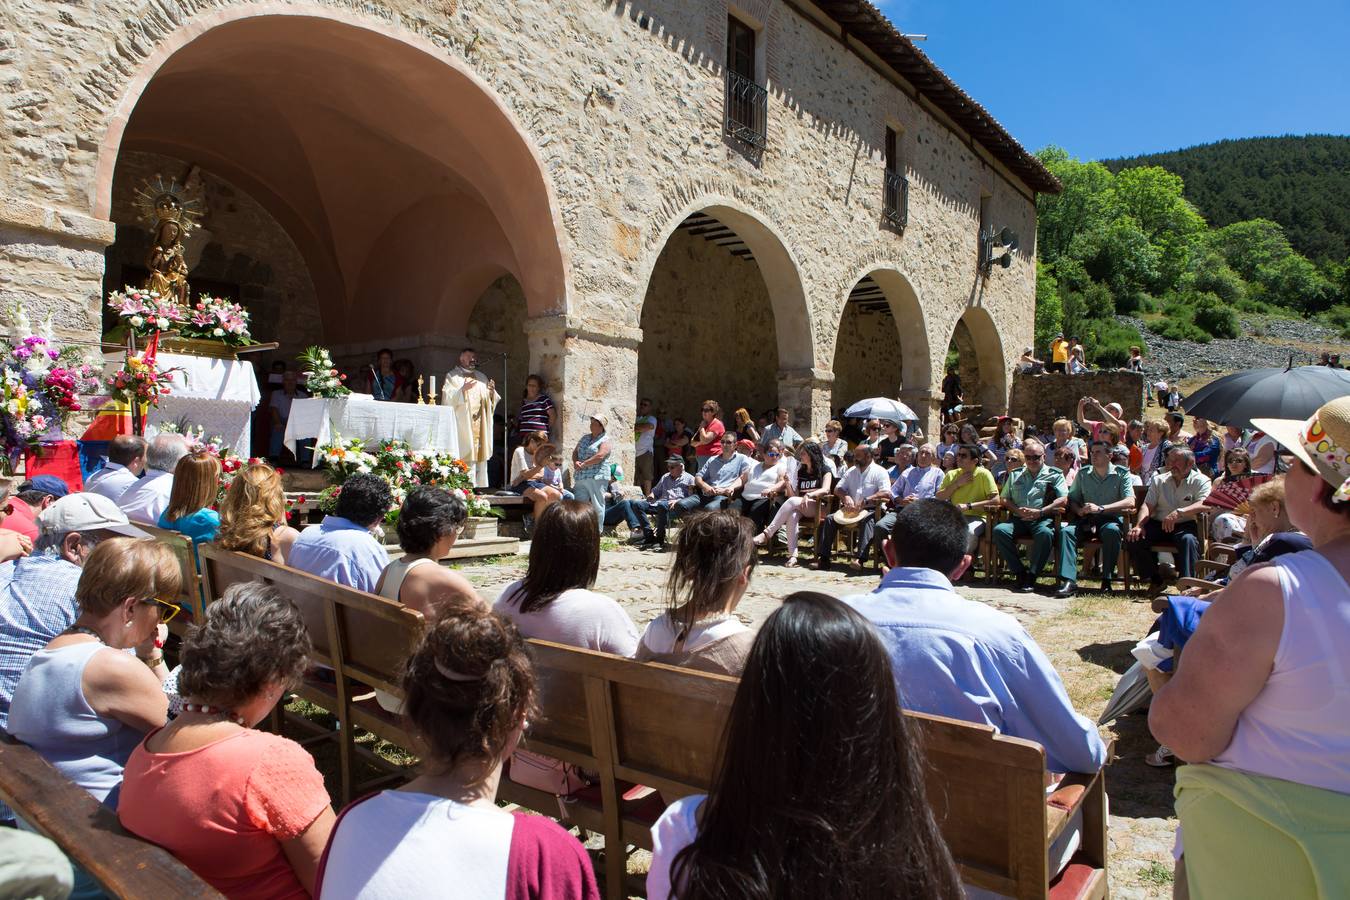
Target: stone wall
x: 867, y: 360
x: 707, y: 332
x: 1041, y: 399
x: 620, y: 107
x: 239, y: 245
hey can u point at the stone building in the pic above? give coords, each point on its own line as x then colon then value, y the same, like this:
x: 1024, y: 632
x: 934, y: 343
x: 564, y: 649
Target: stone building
x: 764, y: 202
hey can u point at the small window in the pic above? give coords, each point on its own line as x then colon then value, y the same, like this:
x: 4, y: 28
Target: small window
x: 746, y: 99
x: 895, y: 196
x: 740, y: 48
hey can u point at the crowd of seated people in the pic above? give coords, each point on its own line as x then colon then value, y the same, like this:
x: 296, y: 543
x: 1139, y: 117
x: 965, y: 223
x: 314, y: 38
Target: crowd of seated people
x: 248, y: 811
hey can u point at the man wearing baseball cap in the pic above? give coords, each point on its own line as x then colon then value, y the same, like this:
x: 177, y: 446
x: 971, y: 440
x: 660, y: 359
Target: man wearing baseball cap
x: 39, y: 601
x: 674, y: 486
x: 30, y: 500
x: 1263, y: 696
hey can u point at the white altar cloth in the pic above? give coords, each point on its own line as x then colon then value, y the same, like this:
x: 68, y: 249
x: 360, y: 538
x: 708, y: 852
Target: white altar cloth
x: 217, y: 394
x: 360, y: 417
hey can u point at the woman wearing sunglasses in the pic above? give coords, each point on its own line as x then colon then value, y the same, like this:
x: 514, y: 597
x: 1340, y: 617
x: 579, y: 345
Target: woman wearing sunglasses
x: 83, y: 702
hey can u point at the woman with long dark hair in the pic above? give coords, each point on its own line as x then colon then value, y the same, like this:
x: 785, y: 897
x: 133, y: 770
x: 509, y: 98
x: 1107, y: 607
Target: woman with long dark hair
x: 820, y: 789
x: 807, y: 486
x: 554, y: 601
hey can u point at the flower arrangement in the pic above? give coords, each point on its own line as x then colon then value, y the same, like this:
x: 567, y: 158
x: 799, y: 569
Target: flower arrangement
x: 403, y: 467
x: 40, y: 385
x: 210, y: 318
x: 217, y: 319
x: 321, y: 377
x: 140, y: 382
x: 145, y: 312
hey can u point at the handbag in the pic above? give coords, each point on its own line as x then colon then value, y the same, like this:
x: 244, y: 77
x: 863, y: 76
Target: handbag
x: 544, y: 773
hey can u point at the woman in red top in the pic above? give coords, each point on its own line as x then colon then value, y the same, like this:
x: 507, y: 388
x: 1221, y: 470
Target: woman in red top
x: 708, y: 439
x: 246, y: 810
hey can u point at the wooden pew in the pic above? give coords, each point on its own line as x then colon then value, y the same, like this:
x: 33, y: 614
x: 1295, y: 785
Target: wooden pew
x: 88, y: 832
x: 190, y: 595
x: 661, y: 726
x: 362, y: 638
x: 650, y: 724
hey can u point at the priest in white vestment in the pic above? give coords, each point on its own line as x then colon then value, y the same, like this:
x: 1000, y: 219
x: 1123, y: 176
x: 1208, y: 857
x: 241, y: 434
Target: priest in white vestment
x: 473, y: 397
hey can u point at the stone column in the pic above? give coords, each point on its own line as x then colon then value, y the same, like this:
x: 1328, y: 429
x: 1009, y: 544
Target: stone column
x: 927, y: 405
x: 806, y: 392
x: 590, y: 367
x: 52, y: 262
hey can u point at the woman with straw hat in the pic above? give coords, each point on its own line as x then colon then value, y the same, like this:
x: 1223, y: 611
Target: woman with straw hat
x: 1261, y: 704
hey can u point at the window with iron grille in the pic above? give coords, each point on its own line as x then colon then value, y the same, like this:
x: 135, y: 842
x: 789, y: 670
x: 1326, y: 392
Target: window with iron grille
x: 746, y: 99
x: 895, y: 197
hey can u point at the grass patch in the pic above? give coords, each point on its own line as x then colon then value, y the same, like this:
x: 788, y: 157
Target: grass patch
x: 1155, y: 874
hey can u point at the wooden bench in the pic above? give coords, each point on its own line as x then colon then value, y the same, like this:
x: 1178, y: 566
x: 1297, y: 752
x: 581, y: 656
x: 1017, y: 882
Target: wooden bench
x: 88, y: 832
x: 360, y: 638
x: 190, y: 594
x: 650, y: 724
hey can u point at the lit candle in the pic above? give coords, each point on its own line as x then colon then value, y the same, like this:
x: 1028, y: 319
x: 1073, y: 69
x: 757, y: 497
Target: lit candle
x: 432, y: 391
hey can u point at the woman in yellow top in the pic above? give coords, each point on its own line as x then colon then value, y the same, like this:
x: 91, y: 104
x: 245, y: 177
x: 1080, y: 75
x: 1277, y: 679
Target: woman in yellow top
x: 972, y: 488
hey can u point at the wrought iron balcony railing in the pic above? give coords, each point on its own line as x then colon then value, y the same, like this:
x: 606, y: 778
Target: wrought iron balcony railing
x: 896, y: 200
x: 747, y: 106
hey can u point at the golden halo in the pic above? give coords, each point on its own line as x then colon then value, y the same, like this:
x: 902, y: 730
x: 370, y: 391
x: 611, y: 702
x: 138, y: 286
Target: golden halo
x: 158, y: 200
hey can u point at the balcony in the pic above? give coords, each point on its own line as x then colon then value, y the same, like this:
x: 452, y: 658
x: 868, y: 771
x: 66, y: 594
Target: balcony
x: 895, y: 202
x: 747, y: 106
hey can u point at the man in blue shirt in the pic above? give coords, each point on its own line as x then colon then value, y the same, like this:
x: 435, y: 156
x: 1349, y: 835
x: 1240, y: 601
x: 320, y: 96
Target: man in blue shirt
x: 780, y: 430
x: 917, y: 482
x: 966, y: 660
x: 674, y: 486
x: 717, y: 482
x: 341, y: 547
x: 1033, y: 494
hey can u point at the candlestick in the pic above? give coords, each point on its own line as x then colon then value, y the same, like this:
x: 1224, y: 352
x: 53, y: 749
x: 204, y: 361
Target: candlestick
x: 432, y: 393
x: 420, y: 401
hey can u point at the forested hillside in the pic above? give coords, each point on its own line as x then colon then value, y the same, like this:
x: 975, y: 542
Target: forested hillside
x: 1133, y: 242
x: 1300, y: 182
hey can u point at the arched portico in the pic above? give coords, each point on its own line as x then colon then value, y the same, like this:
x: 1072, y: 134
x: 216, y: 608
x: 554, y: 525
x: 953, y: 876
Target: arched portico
x: 981, y: 364
x: 882, y: 346
x: 405, y: 183
x: 724, y: 315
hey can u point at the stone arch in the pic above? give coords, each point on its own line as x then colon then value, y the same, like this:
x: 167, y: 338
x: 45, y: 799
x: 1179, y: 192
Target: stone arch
x: 904, y: 308
x: 456, y: 181
x: 976, y: 335
x: 777, y: 263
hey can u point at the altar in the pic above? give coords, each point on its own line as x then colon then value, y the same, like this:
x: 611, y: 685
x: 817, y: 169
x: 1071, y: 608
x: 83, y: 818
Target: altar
x: 361, y: 417
x: 219, y: 395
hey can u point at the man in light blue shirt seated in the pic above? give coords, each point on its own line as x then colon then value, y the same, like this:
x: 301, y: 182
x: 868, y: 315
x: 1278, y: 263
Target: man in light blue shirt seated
x: 966, y: 660
x: 341, y: 547
x: 126, y: 462
x: 917, y: 482
x: 718, y: 481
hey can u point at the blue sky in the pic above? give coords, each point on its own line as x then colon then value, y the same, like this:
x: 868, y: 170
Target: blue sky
x: 1105, y: 79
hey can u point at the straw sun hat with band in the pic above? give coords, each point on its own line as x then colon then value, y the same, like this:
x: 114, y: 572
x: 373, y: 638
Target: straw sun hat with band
x: 1323, y: 442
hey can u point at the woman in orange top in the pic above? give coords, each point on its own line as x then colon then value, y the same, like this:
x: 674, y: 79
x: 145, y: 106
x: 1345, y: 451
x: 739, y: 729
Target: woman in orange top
x: 246, y: 810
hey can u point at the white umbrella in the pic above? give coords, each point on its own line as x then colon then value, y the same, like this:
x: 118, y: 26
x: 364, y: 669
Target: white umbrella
x: 881, y: 408
x: 1132, y: 692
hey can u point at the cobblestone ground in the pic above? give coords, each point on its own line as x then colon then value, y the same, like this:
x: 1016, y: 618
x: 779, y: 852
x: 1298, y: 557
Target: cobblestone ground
x: 1087, y: 638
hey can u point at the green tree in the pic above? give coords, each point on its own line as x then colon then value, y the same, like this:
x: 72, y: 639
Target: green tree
x: 1153, y: 197
x: 1251, y: 245
x: 1071, y: 222
x: 1049, y: 309
x: 1295, y: 282
x: 1211, y: 273
x: 1214, y: 316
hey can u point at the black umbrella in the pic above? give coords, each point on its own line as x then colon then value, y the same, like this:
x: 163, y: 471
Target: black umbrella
x: 1286, y: 393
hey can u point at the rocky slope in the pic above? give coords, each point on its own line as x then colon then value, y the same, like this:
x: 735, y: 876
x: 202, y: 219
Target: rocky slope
x: 1264, y: 342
